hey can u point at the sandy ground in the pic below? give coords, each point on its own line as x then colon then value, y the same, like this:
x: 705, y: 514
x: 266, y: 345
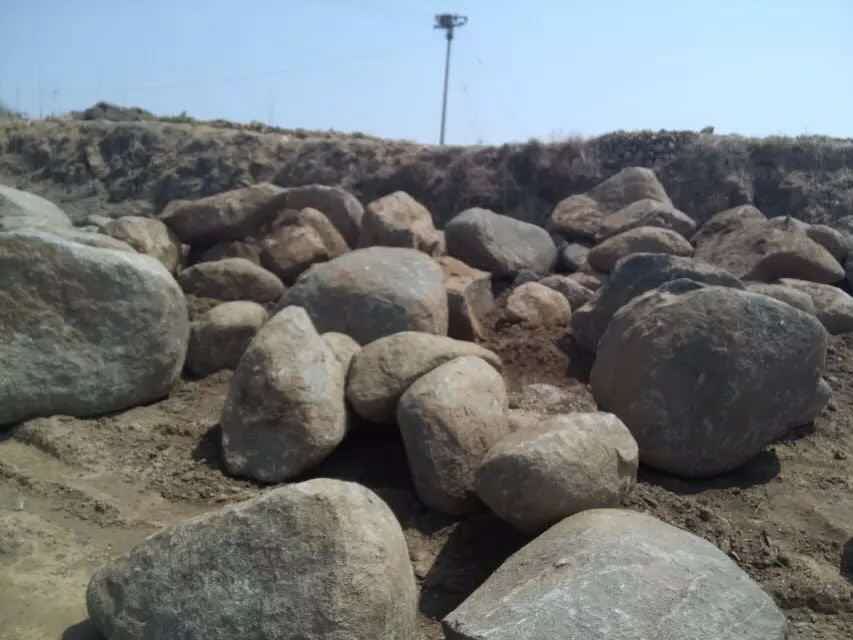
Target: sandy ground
x: 75, y: 492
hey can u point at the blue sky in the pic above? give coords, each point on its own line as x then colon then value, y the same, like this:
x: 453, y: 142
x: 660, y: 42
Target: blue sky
x: 543, y: 68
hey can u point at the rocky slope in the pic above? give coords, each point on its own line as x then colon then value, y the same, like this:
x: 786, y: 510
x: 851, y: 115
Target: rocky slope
x: 122, y: 168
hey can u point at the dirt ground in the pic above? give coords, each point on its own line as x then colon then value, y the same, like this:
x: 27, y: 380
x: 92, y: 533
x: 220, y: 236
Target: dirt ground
x: 75, y: 492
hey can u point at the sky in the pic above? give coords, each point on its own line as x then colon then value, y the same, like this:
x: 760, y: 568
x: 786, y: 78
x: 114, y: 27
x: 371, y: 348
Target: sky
x: 541, y: 68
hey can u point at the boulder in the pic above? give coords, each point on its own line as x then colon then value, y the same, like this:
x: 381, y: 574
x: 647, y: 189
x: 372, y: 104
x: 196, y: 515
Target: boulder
x: 833, y: 307
x: 24, y: 210
x: 398, y: 220
x: 628, y: 186
x: 572, y: 257
x: 637, y: 240
x: 97, y: 221
x: 469, y: 298
x: 788, y: 295
x: 89, y: 238
x: 565, y: 464
x: 375, y: 292
x: 577, y: 217
x: 344, y: 348
x: 85, y: 330
x: 341, y: 207
x: 536, y: 305
x: 449, y: 418
x: 148, y: 236
x: 231, y: 279
x: 608, y: 574
x: 764, y: 250
x: 592, y: 280
x: 577, y: 294
x: 285, y: 410
x: 221, y: 576
x: 632, y: 277
x: 385, y: 368
x: 291, y: 249
x: 706, y: 377
x: 231, y: 215
x: 231, y: 249
x: 499, y: 244
x: 830, y: 239
x: 219, y: 338
x: 646, y: 213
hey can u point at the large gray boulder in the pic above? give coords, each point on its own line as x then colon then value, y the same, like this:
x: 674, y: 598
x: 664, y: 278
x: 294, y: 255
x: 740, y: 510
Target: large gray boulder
x: 830, y: 239
x: 319, y: 560
x: 231, y: 215
x: 385, y: 368
x: 85, y: 330
x: 398, y: 220
x: 148, y: 236
x: 219, y: 338
x: 646, y: 213
x: 833, y: 307
x: 449, y: 419
x: 231, y: 279
x: 285, y: 411
x: 632, y: 277
x: 499, y: 244
x: 613, y: 574
x: 25, y: 210
x: 752, y: 248
x: 563, y: 465
x: 627, y: 186
x: 786, y: 294
x: 604, y: 256
x: 375, y: 292
x: 341, y: 207
x: 706, y: 377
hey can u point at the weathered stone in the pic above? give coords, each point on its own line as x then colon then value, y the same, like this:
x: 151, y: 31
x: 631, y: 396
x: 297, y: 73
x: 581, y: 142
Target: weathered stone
x: 613, y: 574
x: 24, y: 210
x: 499, y: 244
x: 449, y: 418
x: 833, y: 307
x: 565, y: 464
x: 341, y: 207
x: 231, y: 279
x: 646, y: 213
x: 291, y: 249
x: 220, y: 576
x: 285, y: 410
x: 591, y: 280
x: 85, y: 330
x: 148, y: 236
x: 536, y: 305
x: 764, y: 250
x: 219, y: 338
x: 627, y: 186
x: 469, y: 298
x: 706, y: 377
x: 788, y: 295
x: 398, y: 220
x: 577, y: 217
x: 225, y: 216
x: 830, y: 239
x: 375, y: 292
x: 344, y: 348
x: 96, y: 240
x: 637, y: 240
x: 577, y: 294
x: 632, y: 277
x: 572, y: 257
x: 385, y: 368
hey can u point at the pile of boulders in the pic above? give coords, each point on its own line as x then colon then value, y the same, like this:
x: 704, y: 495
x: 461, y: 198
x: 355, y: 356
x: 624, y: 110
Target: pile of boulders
x: 341, y: 320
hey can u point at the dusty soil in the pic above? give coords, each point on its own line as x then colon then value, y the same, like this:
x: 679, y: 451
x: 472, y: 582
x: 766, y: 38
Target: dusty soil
x: 75, y: 492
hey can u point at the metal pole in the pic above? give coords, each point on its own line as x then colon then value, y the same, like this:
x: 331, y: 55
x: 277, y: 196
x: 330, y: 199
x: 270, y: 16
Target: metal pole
x: 446, y: 76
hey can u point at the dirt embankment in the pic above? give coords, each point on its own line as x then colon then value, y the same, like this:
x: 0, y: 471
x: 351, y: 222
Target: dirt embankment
x: 119, y: 168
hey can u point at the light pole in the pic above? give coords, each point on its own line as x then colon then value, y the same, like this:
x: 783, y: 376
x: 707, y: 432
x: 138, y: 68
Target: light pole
x: 448, y: 22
